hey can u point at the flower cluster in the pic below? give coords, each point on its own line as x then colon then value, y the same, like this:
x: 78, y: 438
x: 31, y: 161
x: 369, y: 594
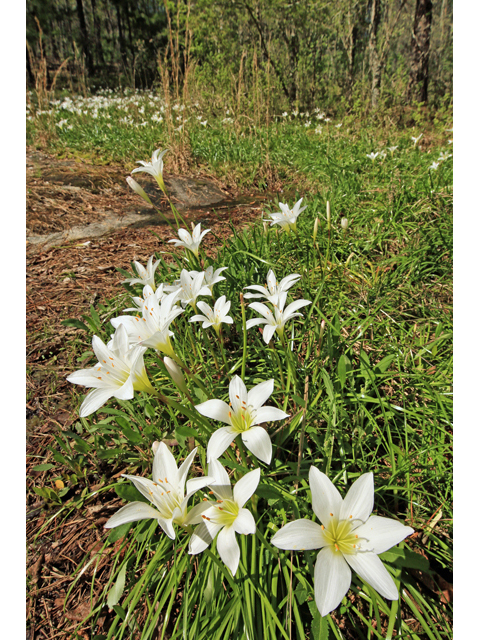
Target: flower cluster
x: 348, y: 536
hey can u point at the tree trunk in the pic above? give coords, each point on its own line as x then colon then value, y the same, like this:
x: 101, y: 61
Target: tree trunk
x: 121, y: 39
x: 97, y: 29
x: 373, y: 57
x: 418, y: 82
x: 84, y: 34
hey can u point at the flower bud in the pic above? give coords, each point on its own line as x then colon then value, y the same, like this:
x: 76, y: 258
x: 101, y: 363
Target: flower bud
x: 315, y: 229
x: 344, y: 224
x: 328, y: 215
x: 138, y: 189
x: 175, y: 373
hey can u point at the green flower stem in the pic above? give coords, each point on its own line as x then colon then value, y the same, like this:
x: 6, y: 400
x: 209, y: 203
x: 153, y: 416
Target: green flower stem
x: 212, y: 350
x: 302, y: 432
x: 175, y: 211
x: 244, y: 325
x: 282, y: 379
x: 222, y: 349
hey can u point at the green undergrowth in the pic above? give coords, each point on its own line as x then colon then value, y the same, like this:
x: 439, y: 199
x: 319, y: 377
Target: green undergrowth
x: 365, y: 376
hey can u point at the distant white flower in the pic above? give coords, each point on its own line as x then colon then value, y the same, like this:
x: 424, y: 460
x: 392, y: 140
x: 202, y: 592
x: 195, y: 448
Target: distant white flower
x: 339, y: 125
x: 307, y: 123
x: 214, y: 318
x: 415, y: 140
x: 444, y: 156
x: 320, y: 116
x: 287, y: 218
x: 284, y: 114
x: 349, y: 538
x: 318, y: 129
x: 191, y: 242
x: 295, y: 113
x: 450, y: 141
x: 243, y: 415
x: 328, y: 119
x: 372, y: 156
x: 203, y: 123
x: 434, y: 166
x: 275, y: 321
x: 225, y: 517
x: 272, y: 288
x: 118, y: 373
x: 392, y: 149
x: 166, y: 491
x: 154, y: 168
x: 146, y: 276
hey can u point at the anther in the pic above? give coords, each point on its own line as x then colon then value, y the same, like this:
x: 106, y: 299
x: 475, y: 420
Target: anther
x: 331, y: 514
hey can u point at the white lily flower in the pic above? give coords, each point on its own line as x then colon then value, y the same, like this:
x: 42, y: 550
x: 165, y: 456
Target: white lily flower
x: 188, y: 241
x: 226, y: 517
x: 146, y: 275
x: 138, y: 302
x: 349, y: 538
x: 434, y: 166
x: 392, y: 149
x: 211, y: 277
x: 373, y: 156
x: 152, y: 329
x: 275, y: 321
x: 166, y: 492
x: 287, y: 218
x: 118, y: 373
x: 243, y: 415
x: 272, y: 288
x: 214, y: 318
x: 192, y: 286
x: 154, y: 168
x: 415, y: 140
x: 444, y: 156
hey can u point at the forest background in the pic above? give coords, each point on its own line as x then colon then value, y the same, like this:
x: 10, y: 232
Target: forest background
x: 273, y: 54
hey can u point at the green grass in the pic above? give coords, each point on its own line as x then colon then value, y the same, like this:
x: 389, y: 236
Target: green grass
x: 379, y: 377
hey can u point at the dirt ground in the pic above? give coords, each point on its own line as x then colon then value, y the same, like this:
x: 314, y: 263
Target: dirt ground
x: 63, y: 279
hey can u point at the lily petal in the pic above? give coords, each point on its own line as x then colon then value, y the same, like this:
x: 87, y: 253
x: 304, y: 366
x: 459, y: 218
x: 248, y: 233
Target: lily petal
x: 269, y: 414
x: 382, y: 533
x: 332, y: 580
x: 258, y: 395
x: 131, y: 513
x: 371, y: 569
x: 246, y: 487
x: 300, y: 535
x: 222, y: 487
x: 326, y: 499
x: 358, y: 503
x: 219, y: 442
x: 244, y: 522
x: 215, y: 409
x: 94, y: 400
x: 228, y: 549
x: 258, y: 441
